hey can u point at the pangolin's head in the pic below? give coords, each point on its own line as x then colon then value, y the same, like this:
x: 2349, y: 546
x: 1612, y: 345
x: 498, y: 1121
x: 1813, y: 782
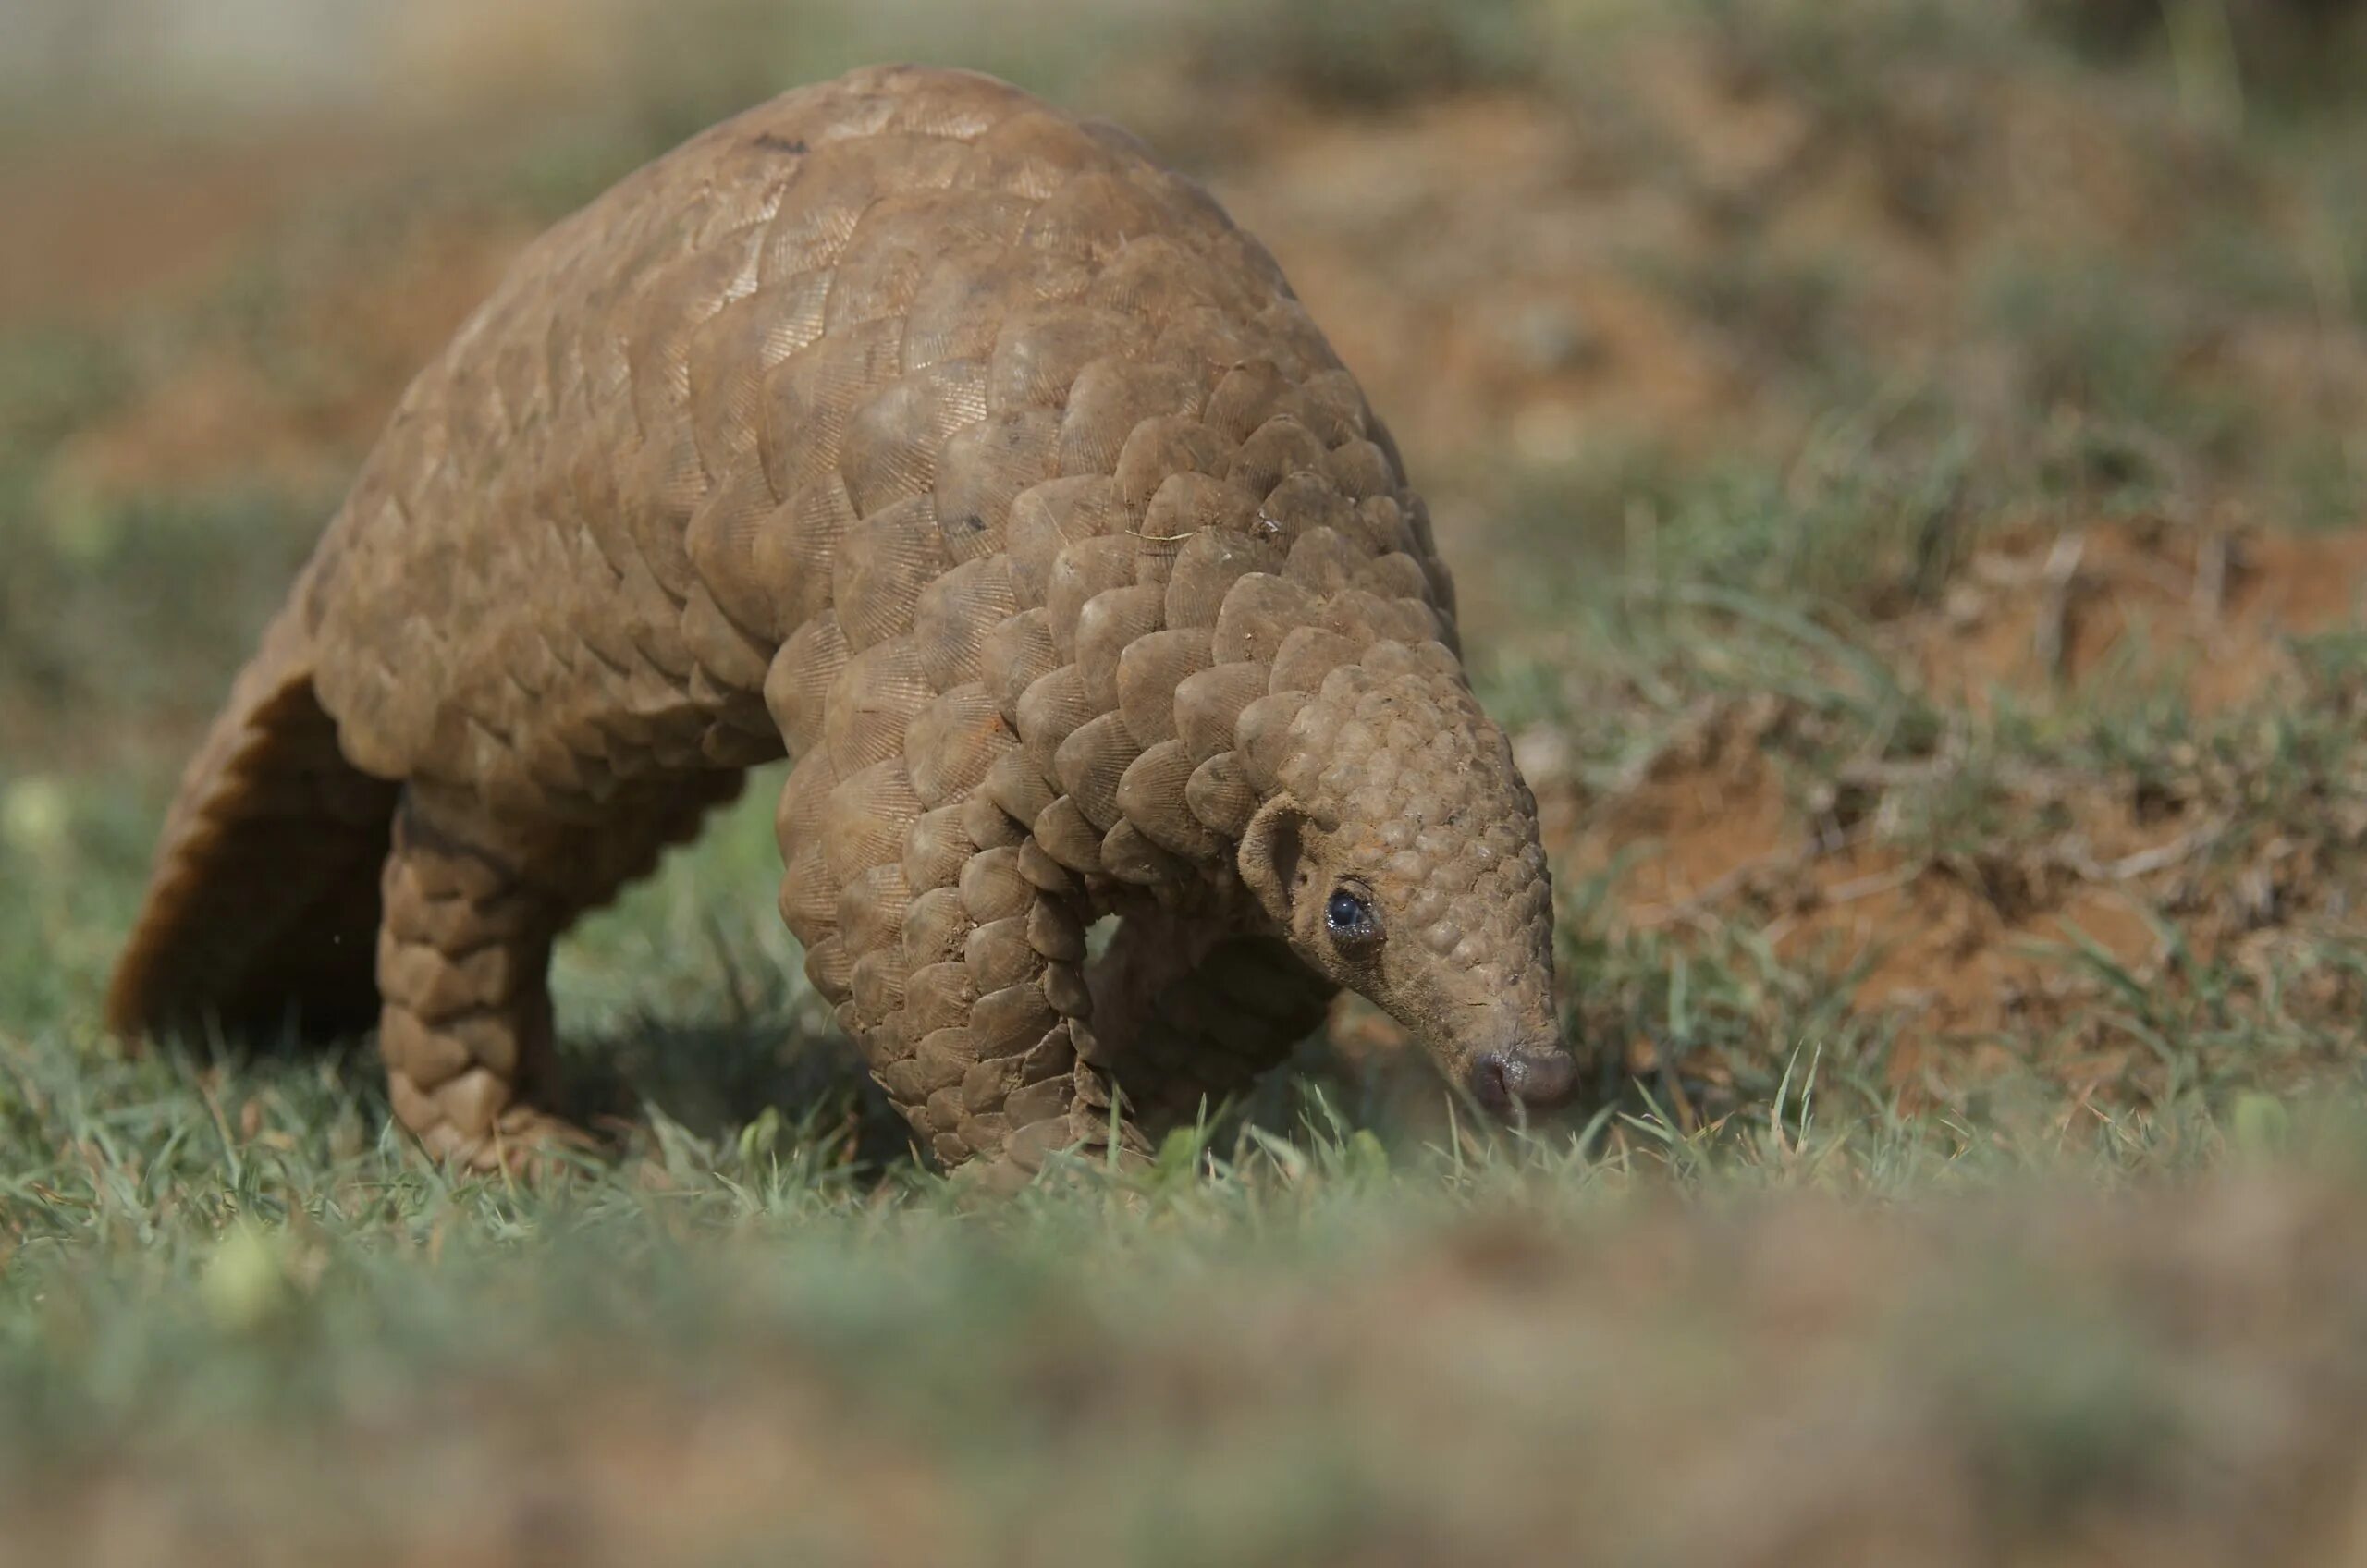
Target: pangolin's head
x: 1397, y: 844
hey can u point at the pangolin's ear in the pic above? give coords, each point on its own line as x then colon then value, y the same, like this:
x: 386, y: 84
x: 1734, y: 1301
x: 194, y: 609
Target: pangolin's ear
x: 1272, y: 848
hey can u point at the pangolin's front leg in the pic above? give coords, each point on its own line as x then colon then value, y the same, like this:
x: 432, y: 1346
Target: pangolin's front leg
x: 1188, y: 1010
x: 954, y: 942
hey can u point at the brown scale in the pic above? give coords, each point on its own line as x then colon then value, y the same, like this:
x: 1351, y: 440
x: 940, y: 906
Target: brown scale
x: 949, y: 447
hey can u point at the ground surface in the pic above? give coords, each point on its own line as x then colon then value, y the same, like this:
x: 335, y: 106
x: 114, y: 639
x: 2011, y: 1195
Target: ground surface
x: 1905, y: 463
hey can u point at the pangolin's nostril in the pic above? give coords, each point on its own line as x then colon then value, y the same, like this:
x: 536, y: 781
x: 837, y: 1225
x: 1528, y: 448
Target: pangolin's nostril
x: 1545, y: 1078
x: 1531, y: 1079
x: 1492, y: 1083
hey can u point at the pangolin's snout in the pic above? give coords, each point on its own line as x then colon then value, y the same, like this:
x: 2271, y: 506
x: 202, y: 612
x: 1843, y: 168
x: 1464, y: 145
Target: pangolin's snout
x: 1530, y: 1077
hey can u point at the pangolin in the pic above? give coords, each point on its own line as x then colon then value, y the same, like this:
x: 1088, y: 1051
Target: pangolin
x: 953, y: 448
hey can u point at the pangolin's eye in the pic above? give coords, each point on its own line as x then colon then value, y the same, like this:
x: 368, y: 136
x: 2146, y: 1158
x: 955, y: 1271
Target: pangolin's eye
x: 1350, y: 916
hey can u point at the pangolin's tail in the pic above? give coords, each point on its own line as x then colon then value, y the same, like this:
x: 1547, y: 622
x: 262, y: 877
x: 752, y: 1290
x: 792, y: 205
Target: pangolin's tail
x: 262, y: 910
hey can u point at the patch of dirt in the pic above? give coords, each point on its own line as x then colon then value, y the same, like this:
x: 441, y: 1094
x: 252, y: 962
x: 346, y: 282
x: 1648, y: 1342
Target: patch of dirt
x: 363, y: 322
x: 101, y: 222
x: 1471, y: 261
x: 1968, y: 945
x: 2205, y: 617
x: 213, y: 419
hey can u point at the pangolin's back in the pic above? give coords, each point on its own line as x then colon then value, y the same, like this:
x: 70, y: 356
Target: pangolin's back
x: 771, y: 389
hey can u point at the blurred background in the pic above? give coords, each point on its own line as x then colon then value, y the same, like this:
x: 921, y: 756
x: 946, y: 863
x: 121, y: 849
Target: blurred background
x: 1905, y: 463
